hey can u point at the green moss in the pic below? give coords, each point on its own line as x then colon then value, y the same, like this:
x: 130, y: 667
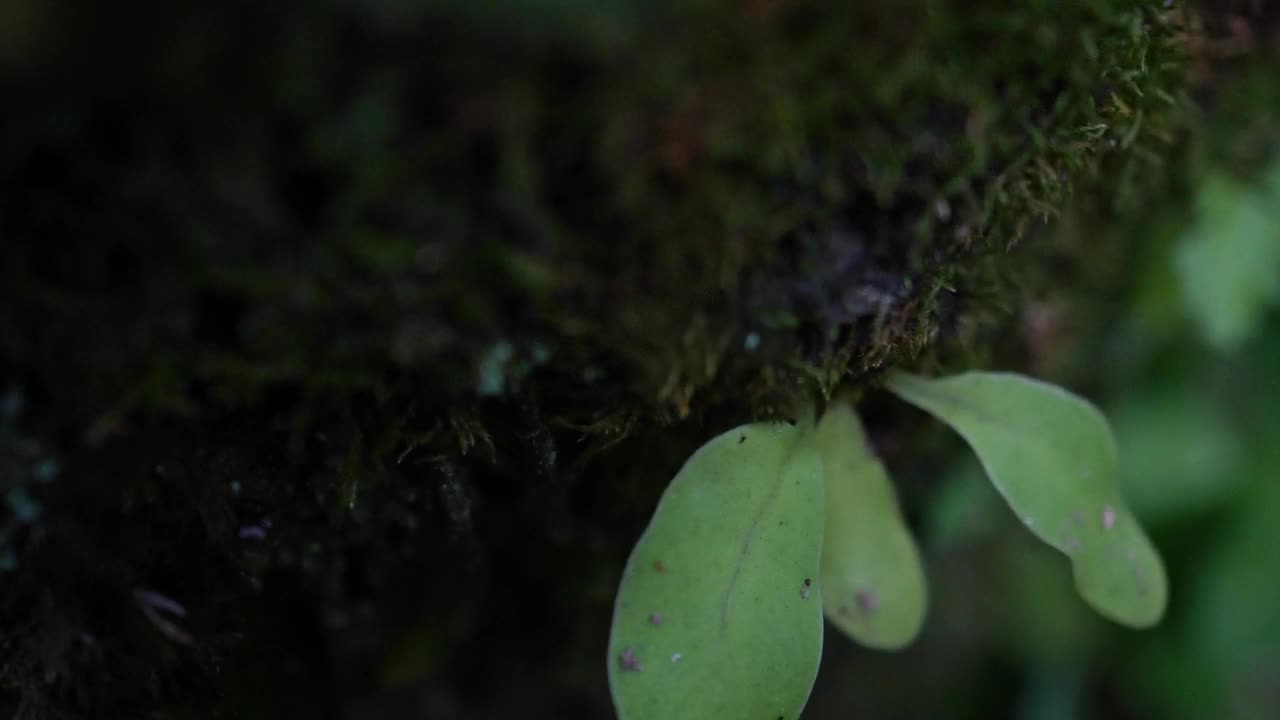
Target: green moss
x: 816, y: 175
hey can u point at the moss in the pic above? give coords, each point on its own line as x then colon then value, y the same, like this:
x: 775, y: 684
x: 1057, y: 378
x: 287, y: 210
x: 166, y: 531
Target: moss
x: 541, y: 199
x: 1113, y: 249
x: 408, y: 281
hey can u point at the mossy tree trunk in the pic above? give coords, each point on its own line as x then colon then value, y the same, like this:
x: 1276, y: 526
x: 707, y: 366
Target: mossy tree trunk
x: 345, y: 346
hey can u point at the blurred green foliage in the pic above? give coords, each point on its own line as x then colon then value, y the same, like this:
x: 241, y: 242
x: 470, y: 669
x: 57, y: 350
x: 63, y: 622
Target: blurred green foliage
x: 1185, y: 364
x: 1229, y: 261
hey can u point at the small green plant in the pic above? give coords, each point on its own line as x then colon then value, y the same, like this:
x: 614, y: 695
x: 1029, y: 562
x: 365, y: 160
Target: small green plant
x: 768, y: 527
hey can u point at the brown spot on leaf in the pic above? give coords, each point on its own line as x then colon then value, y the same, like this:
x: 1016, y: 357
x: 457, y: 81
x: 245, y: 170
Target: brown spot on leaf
x: 657, y: 565
x: 628, y: 661
x: 867, y: 601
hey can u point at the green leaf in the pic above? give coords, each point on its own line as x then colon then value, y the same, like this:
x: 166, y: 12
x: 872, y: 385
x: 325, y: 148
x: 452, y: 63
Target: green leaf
x: 719, y: 615
x: 1053, y: 458
x: 1229, y: 261
x: 873, y: 585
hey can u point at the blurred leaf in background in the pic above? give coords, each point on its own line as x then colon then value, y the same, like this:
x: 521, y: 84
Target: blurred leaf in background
x: 1229, y: 260
x: 1221, y: 657
x: 1179, y: 455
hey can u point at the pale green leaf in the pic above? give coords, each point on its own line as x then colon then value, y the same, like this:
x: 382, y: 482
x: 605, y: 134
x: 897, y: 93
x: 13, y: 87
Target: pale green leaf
x: 719, y: 616
x: 1052, y: 456
x: 1229, y: 260
x: 873, y: 584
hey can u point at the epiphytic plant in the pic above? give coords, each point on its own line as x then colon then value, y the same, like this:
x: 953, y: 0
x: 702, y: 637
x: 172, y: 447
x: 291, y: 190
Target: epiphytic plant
x: 768, y: 527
